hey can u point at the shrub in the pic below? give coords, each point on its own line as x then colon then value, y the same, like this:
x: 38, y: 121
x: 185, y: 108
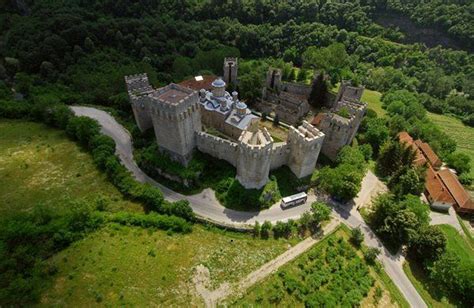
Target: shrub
x: 370, y: 254
x: 83, y: 129
x: 357, y: 237
x: 266, y: 228
x: 256, y: 229
x: 14, y: 109
x: 152, y: 220
x: 320, y: 212
x: 282, y: 229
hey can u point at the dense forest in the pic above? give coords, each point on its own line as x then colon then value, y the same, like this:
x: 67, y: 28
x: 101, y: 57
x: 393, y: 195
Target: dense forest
x: 87, y: 46
x: 56, y: 52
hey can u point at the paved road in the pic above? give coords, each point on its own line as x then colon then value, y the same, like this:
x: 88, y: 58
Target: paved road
x: 206, y: 205
x: 203, y: 204
x: 449, y: 218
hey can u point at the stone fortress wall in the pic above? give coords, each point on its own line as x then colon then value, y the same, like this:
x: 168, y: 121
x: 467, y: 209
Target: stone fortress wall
x: 288, y: 100
x: 178, y: 113
x: 230, y: 70
x: 254, y: 161
x: 296, y: 88
x: 339, y: 130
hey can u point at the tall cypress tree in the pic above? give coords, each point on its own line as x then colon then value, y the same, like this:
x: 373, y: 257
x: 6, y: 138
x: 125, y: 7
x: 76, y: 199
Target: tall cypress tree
x: 319, y: 88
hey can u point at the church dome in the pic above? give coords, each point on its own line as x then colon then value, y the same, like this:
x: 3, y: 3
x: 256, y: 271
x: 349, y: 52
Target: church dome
x: 218, y: 83
x: 241, y: 105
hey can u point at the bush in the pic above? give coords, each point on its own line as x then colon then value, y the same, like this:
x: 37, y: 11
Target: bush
x: 152, y: 220
x: 266, y: 228
x: 83, y: 129
x: 357, y: 237
x: 459, y: 161
x: 14, y: 109
x: 344, y: 181
x: 370, y: 254
x: 284, y: 229
x: 27, y: 240
x: 320, y: 212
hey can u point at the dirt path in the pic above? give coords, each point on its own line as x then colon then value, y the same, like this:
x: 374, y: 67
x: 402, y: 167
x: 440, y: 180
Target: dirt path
x: 212, y: 298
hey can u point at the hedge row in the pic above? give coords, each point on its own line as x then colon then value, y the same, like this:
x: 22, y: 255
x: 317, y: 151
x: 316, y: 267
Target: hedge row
x: 87, y: 132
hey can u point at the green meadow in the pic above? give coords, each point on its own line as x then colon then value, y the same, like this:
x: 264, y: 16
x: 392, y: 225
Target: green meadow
x: 39, y: 164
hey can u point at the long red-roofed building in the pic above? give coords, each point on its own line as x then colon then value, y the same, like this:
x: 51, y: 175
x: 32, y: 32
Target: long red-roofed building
x: 442, y: 188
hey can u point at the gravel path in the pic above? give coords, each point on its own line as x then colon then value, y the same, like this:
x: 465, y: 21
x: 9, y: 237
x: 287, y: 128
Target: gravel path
x: 212, y: 298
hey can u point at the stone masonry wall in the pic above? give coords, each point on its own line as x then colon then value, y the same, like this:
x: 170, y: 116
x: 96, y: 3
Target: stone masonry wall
x: 217, y: 147
x: 280, y: 155
x: 296, y: 88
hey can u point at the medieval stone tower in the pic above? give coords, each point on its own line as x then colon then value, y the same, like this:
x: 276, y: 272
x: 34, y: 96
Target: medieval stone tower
x: 230, y: 71
x: 176, y: 117
x: 348, y: 92
x: 274, y: 79
x: 338, y: 131
x: 305, y: 144
x: 139, y: 88
x: 254, y: 158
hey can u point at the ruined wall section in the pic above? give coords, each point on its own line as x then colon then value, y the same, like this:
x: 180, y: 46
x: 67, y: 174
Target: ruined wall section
x: 296, y: 89
x: 139, y: 88
x: 338, y: 131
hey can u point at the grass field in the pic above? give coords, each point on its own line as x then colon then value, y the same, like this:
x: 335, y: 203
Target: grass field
x: 127, y: 266
x: 117, y: 265
x: 459, y: 245
x: 462, y: 134
x: 39, y: 164
x: 372, y: 98
x: 284, y: 288
x: 456, y: 244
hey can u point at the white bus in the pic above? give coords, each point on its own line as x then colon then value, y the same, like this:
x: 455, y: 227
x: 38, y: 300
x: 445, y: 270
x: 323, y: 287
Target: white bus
x: 294, y: 200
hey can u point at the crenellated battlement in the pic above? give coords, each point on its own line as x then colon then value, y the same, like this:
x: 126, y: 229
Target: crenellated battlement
x: 175, y: 113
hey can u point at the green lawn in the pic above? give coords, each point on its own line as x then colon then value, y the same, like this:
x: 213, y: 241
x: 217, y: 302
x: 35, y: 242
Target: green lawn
x: 117, y: 265
x: 324, y: 271
x: 462, y: 134
x: 39, y: 164
x: 128, y: 266
x: 372, y: 98
x: 456, y: 244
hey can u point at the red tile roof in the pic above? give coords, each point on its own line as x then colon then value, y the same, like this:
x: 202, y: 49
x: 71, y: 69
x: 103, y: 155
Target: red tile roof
x: 457, y: 191
x: 430, y: 154
x: 442, y: 186
x: 317, y: 119
x: 198, y: 85
x: 420, y: 159
x: 435, y: 189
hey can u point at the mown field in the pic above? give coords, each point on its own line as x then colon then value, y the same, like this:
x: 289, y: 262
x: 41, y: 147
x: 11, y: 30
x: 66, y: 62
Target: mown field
x: 39, y: 164
x: 462, y: 134
x: 456, y: 244
x: 333, y: 271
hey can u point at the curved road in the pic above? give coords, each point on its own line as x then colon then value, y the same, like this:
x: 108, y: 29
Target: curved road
x: 206, y: 205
